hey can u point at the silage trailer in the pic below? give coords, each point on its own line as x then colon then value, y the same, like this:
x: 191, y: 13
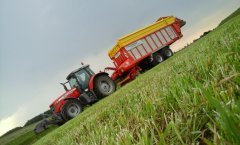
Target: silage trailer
x: 144, y: 48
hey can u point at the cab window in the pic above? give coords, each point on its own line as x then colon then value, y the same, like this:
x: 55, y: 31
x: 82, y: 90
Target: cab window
x: 83, y: 78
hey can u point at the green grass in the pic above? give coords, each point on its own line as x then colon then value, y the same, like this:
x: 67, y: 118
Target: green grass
x: 24, y: 136
x: 191, y: 98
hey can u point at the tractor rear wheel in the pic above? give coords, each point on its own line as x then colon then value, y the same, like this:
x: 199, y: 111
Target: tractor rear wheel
x: 104, y: 86
x: 157, y: 58
x: 71, y: 109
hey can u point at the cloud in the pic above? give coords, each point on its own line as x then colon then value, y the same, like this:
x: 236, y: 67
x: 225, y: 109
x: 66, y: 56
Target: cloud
x: 193, y: 32
x: 12, y: 121
x: 98, y: 62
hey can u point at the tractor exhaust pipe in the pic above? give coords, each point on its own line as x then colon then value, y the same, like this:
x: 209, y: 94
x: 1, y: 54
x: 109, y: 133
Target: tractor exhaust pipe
x: 64, y: 86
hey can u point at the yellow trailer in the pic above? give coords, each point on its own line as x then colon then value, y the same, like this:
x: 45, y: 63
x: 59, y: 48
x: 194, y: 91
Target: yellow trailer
x: 145, y: 47
x: 132, y: 37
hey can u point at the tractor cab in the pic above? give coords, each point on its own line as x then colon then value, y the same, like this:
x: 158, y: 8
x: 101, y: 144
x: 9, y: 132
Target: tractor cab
x: 80, y: 78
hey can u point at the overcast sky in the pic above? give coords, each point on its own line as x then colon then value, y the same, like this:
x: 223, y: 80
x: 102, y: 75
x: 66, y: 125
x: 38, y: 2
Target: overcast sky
x: 41, y: 41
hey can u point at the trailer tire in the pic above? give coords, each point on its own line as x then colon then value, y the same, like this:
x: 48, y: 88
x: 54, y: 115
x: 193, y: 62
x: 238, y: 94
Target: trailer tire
x: 167, y: 52
x: 146, y: 64
x: 104, y: 86
x: 71, y: 109
x: 157, y: 58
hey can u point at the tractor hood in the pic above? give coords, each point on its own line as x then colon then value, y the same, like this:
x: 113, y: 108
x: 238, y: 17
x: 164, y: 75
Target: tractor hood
x: 72, y: 93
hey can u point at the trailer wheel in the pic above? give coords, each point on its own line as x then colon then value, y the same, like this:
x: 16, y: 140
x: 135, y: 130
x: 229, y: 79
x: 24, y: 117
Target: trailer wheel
x: 157, y: 58
x: 104, y: 86
x: 146, y: 64
x: 71, y: 109
x: 167, y: 53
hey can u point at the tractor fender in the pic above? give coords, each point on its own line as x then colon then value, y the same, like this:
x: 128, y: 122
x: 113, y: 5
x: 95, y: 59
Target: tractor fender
x: 91, y: 82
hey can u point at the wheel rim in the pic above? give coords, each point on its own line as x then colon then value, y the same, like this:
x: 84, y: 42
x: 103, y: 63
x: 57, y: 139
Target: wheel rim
x: 105, y: 87
x: 159, y: 58
x: 168, y: 53
x: 73, y: 110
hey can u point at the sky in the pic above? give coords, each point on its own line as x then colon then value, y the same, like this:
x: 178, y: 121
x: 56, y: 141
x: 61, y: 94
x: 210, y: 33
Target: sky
x: 41, y: 41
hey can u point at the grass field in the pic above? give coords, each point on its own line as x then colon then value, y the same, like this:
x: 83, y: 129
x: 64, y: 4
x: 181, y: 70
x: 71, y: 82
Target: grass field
x: 189, y: 99
x: 234, y: 14
x: 24, y: 136
x: 192, y: 98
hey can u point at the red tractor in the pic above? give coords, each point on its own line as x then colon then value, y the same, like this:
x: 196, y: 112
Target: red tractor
x: 86, y: 88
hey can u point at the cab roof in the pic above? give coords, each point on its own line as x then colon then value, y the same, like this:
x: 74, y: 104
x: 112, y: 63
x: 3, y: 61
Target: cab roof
x: 76, y: 70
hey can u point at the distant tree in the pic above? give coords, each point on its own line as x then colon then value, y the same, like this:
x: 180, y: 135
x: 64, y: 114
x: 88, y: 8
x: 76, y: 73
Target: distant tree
x: 11, y: 131
x: 205, y: 33
x: 234, y: 14
x: 37, y: 118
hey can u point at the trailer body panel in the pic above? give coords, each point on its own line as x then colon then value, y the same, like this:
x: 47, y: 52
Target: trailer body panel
x: 151, y: 43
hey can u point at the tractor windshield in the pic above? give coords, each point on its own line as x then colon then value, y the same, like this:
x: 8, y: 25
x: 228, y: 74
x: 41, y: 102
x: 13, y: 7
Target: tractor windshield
x: 83, y: 78
x: 73, y: 83
x: 80, y: 78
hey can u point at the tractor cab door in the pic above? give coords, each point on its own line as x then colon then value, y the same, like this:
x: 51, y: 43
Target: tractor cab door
x: 83, y: 77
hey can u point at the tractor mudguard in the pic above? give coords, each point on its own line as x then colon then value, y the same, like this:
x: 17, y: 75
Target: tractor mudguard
x: 91, y: 82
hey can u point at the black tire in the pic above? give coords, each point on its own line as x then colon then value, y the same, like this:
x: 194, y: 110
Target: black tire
x: 71, y: 109
x: 157, y: 58
x: 146, y: 64
x: 104, y: 86
x: 167, y: 53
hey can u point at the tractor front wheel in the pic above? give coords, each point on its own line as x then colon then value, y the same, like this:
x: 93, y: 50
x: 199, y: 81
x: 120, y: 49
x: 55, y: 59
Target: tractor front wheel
x: 71, y: 109
x: 104, y: 86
